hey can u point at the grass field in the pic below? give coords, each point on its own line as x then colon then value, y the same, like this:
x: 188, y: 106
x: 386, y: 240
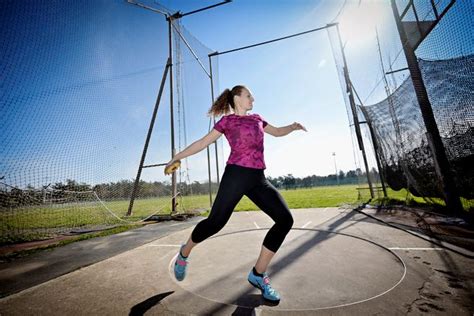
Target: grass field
x: 30, y: 223
x: 40, y: 222
x: 93, y: 212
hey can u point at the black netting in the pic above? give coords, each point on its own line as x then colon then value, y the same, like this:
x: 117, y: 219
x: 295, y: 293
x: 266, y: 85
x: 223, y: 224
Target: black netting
x: 78, y: 84
x: 379, y: 73
x: 405, y: 154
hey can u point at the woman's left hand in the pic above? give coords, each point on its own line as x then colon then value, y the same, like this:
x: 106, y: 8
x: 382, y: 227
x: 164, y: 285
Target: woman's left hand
x: 297, y: 126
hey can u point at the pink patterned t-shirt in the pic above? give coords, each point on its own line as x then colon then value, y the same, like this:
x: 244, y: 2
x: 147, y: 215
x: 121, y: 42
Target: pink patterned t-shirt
x: 245, y: 137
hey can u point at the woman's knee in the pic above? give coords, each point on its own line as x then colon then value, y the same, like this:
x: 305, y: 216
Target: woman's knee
x: 206, y: 228
x: 289, y: 221
x: 285, y: 222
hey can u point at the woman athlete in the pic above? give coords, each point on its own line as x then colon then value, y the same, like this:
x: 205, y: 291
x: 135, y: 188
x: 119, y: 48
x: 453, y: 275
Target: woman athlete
x: 243, y: 175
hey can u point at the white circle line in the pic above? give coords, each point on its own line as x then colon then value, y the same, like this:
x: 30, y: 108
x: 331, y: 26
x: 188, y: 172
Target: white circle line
x: 304, y: 309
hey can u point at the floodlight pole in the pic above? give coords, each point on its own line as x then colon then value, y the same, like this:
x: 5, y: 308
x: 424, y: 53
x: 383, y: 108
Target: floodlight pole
x: 441, y: 162
x: 350, y: 93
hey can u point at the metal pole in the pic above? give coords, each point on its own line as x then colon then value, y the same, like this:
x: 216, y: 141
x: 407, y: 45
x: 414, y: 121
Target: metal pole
x: 273, y: 40
x: 349, y: 91
x: 190, y: 49
x: 213, y: 118
x: 377, y: 157
x: 441, y: 162
x: 335, y: 167
x: 376, y: 148
x: 369, y: 123
x: 206, y: 8
x: 173, y: 149
x: 169, y: 18
x: 209, y: 169
x: 148, y: 136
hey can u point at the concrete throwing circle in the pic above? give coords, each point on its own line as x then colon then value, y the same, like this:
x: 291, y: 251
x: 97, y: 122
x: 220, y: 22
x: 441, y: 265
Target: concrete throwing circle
x: 313, y: 269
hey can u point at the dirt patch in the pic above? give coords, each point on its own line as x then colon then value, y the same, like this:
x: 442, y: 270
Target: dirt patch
x: 39, y: 244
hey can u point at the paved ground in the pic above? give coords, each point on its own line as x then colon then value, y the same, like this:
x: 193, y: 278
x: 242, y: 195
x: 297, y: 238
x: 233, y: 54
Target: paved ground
x: 25, y: 272
x: 334, y: 262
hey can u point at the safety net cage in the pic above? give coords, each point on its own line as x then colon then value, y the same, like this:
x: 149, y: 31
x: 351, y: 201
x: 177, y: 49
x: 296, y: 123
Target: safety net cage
x: 80, y: 81
x: 392, y: 121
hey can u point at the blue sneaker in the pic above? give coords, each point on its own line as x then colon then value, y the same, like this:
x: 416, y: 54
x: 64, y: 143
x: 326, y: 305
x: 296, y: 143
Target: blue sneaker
x: 180, y: 266
x: 263, y: 284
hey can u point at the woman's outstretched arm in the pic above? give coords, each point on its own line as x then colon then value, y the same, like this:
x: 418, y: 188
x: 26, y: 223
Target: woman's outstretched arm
x: 197, y: 146
x: 284, y: 130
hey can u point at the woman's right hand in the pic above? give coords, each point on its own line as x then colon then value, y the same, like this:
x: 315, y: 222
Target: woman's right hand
x: 172, y: 166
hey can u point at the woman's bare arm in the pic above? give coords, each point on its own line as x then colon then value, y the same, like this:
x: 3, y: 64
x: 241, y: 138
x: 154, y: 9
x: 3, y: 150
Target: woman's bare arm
x: 197, y: 146
x: 284, y: 130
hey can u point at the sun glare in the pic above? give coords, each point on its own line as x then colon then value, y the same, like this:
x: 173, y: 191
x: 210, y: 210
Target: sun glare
x: 358, y: 22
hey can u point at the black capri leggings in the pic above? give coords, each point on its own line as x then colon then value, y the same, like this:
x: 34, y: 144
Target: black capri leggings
x: 236, y: 182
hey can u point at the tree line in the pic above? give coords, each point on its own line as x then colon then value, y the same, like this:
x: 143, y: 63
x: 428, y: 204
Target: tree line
x: 70, y: 190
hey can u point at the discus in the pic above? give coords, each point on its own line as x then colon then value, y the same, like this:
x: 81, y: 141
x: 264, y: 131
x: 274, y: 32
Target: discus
x: 173, y: 167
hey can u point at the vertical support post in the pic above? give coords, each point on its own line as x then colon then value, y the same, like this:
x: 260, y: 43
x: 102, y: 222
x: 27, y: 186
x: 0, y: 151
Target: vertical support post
x: 369, y: 123
x: 170, y: 18
x: 213, y: 118
x: 148, y: 136
x: 350, y: 93
x: 173, y: 149
x: 377, y: 158
x: 335, y: 167
x: 209, y: 170
x: 440, y: 158
x: 376, y: 148
x: 215, y: 143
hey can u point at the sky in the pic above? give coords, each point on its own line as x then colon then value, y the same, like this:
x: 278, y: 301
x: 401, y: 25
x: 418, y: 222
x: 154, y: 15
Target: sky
x: 292, y: 80
x: 79, y: 80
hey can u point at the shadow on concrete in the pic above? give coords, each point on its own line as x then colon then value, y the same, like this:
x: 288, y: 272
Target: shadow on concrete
x: 246, y: 297
x: 248, y: 302
x: 428, y: 223
x: 437, y: 226
x: 143, y: 307
x: 25, y: 272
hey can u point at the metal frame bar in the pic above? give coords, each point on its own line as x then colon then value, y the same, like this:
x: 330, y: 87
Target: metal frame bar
x: 212, y: 86
x: 271, y: 41
x: 349, y: 85
x: 208, y: 151
x: 147, y: 7
x: 169, y: 69
x: 374, y: 142
x: 214, y: 119
x: 349, y: 90
x: 435, y: 10
x: 190, y: 49
x: 180, y: 15
x: 148, y: 137
x: 398, y: 70
x: 211, y: 78
x: 435, y: 22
